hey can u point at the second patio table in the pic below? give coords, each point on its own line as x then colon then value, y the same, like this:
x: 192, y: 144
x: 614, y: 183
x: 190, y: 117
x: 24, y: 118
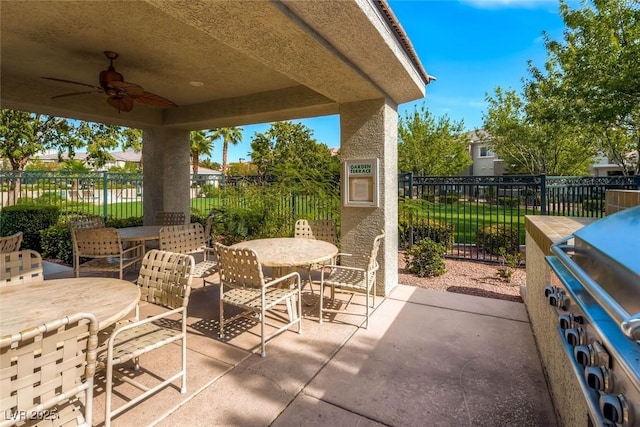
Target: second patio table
x: 140, y: 234
x: 288, y: 252
x: 34, y: 303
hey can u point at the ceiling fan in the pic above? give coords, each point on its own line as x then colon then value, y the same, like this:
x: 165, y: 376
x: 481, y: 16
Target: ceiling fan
x: 120, y: 94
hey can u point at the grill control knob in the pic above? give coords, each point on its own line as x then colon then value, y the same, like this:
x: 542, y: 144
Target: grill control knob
x: 548, y: 290
x: 615, y: 409
x: 563, y: 302
x: 583, y: 354
x: 566, y: 321
x: 574, y: 336
x: 598, y: 378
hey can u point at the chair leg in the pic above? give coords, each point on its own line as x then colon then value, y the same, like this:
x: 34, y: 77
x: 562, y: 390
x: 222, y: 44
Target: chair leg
x: 321, y: 298
x: 366, y: 322
x: 263, y: 352
x: 108, y: 394
x: 183, y: 390
x: 221, y: 327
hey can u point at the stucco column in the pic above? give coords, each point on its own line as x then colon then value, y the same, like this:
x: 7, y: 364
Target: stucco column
x: 165, y: 171
x: 369, y: 129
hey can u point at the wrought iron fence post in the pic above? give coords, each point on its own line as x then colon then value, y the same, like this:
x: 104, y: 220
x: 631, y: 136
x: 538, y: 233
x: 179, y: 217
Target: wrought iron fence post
x: 411, y: 242
x: 105, y: 181
x: 543, y: 194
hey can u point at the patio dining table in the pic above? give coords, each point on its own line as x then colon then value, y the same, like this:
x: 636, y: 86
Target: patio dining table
x: 30, y: 304
x: 290, y: 252
x: 284, y: 254
x: 141, y: 234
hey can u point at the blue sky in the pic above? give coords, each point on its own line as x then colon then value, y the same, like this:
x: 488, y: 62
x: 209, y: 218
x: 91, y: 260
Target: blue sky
x: 470, y: 46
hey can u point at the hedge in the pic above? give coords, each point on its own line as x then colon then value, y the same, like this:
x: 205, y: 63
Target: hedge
x: 30, y: 220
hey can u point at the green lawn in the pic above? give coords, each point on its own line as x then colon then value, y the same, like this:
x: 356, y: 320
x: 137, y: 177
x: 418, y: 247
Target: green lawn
x: 467, y: 218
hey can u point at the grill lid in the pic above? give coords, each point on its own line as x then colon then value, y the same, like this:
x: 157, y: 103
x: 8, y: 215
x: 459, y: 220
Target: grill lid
x: 616, y: 238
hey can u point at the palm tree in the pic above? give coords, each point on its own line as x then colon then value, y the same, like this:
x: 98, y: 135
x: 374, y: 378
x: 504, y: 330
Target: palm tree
x: 231, y: 135
x: 201, y: 144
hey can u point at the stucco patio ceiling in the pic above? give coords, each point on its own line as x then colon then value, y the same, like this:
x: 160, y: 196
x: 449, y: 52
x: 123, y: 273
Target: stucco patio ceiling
x: 259, y: 61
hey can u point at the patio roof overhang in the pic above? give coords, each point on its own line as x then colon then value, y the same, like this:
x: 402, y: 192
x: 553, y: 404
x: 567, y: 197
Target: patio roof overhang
x: 259, y: 61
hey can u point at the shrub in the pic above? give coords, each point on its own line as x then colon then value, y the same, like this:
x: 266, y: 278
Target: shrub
x: 56, y: 243
x: 426, y: 258
x: 508, y: 265
x: 210, y: 191
x: 30, y: 220
x: 439, y: 232
x: 509, y: 202
x: 133, y: 221
x: 498, y: 239
x: 450, y: 198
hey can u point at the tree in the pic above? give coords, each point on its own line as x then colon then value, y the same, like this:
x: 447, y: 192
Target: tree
x: 24, y: 135
x: 529, y: 142
x: 598, y: 62
x: 231, y: 135
x: 288, y: 150
x: 430, y: 147
x: 201, y: 144
x: 210, y: 164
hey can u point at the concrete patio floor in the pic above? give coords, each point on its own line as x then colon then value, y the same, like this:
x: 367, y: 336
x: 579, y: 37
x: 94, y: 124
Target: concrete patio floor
x: 429, y: 358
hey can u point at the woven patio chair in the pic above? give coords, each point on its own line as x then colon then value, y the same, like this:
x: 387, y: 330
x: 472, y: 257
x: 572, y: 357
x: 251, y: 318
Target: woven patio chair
x: 208, y: 228
x: 47, y: 372
x: 190, y: 239
x: 242, y: 284
x: 169, y: 218
x: 20, y: 267
x: 11, y: 243
x: 104, y: 248
x: 316, y: 229
x: 164, y: 280
x: 86, y: 221
x: 358, y: 275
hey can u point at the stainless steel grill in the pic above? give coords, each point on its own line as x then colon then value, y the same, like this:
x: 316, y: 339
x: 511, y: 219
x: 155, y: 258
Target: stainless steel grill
x: 597, y: 301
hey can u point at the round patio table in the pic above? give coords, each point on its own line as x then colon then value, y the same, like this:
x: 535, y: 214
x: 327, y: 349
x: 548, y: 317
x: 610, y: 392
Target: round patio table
x: 32, y: 304
x: 140, y: 234
x: 283, y: 252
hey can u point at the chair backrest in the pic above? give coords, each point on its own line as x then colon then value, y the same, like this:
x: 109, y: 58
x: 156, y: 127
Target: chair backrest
x: 96, y: 242
x: 165, y: 278
x: 48, y: 364
x: 207, y: 230
x: 316, y: 229
x: 373, y: 258
x: 91, y: 221
x: 11, y: 243
x: 169, y: 218
x: 20, y: 267
x: 238, y: 267
x: 183, y: 239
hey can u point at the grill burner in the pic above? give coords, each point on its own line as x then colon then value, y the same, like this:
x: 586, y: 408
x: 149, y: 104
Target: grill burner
x: 597, y: 302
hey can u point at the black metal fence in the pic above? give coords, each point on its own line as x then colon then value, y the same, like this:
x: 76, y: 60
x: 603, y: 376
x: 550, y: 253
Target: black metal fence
x: 473, y: 208
x: 462, y: 209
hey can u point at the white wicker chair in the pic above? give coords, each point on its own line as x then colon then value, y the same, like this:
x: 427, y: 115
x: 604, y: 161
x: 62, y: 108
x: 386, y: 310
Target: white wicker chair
x: 104, y: 247
x: 316, y: 229
x: 11, y: 243
x: 190, y: 239
x: 20, y: 267
x: 242, y: 285
x: 47, y: 372
x: 359, y: 276
x: 165, y: 280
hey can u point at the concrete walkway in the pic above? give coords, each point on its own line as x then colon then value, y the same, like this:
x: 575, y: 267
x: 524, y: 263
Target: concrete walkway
x: 429, y: 358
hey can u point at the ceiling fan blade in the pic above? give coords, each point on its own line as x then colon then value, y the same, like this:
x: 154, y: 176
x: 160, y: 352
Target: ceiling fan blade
x: 121, y: 103
x: 76, y: 93
x: 72, y: 82
x: 131, y: 89
x: 156, y: 100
